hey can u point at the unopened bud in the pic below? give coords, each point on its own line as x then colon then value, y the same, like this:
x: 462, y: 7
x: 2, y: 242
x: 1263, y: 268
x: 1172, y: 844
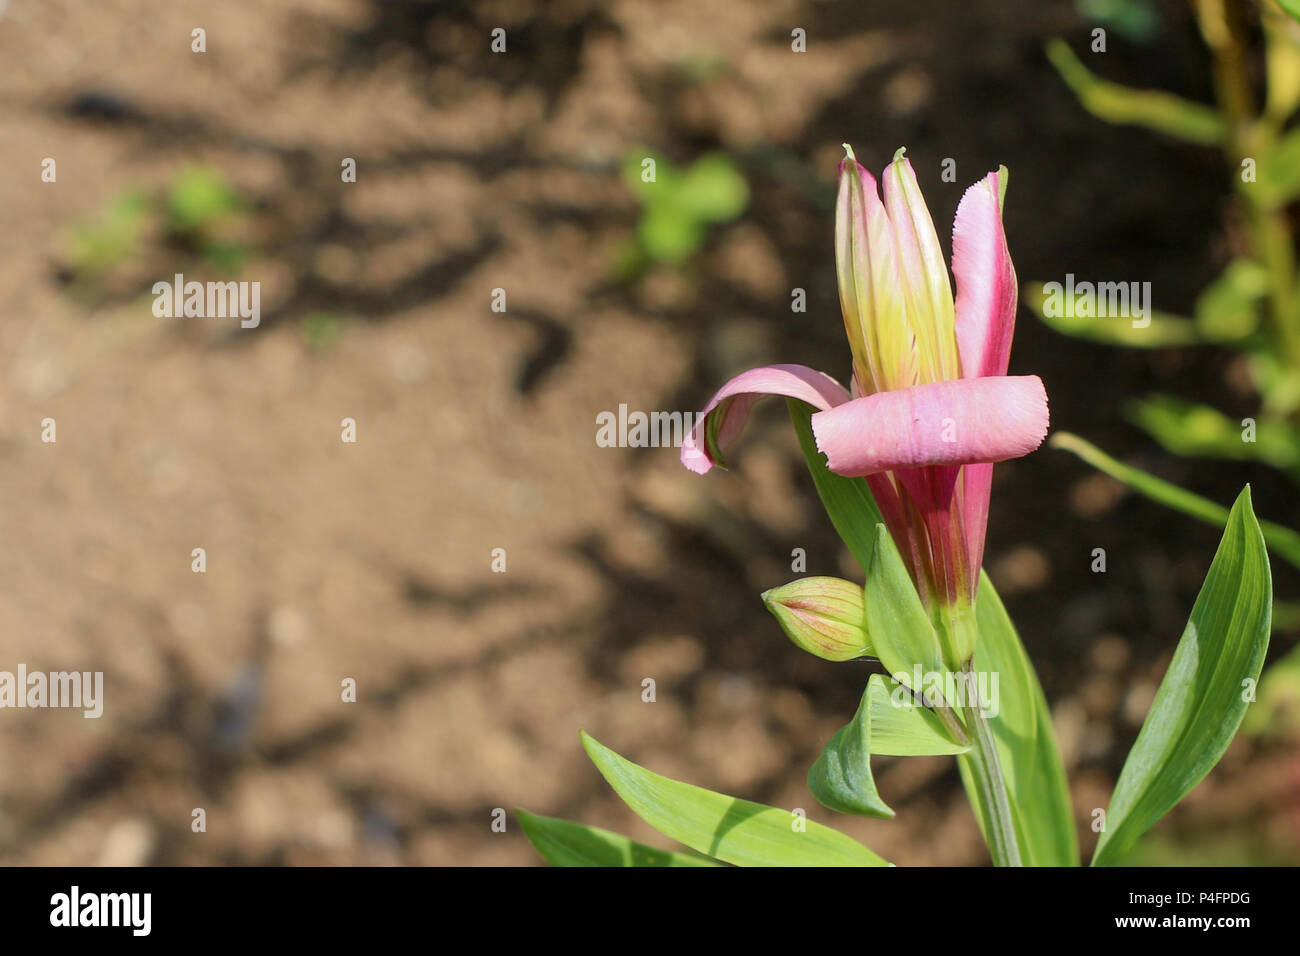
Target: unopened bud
x: 825, y: 616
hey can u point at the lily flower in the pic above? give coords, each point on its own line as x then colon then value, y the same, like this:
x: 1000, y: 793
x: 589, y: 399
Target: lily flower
x: 931, y: 407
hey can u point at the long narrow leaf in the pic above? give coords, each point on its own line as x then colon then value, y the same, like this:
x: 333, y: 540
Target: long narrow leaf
x: 848, y: 501
x: 1284, y: 541
x: 725, y: 828
x: 565, y: 843
x: 1026, y: 742
x: 1154, y: 109
x: 1203, y: 697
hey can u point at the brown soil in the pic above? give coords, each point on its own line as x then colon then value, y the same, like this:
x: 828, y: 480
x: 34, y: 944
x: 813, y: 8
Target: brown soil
x: 372, y: 560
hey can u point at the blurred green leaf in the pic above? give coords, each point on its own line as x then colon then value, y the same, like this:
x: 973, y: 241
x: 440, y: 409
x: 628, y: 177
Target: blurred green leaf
x: 1228, y: 309
x: 113, y: 238
x: 228, y: 257
x: 713, y: 189
x: 1163, y: 331
x: 1026, y: 742
x: 1134, y: 20
x: 677, y: 208
x: 669, y: 234
x: 1277, y: 381
x: 1282, y: 63
x: 1290, y: 6
x: 564, y: 843
x: 725, y: 828
x: 635, y: 170
x: 1201, y: 701
x: 1286, y: 614
x: 200, y: 196
x: 1194, y: 430
x: 1277, y: 173
x: 848, y: 501
x: 1283, y: 540
x: 320, y: 330
x: 1277, y: 707
x: 1154, y: 109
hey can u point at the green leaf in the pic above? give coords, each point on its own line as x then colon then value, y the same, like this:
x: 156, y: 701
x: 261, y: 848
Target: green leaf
x: 1135, y: 20
x: 901, y: 632
x: 1290, y: 6
x: 1227, y: 310
x: 713, y: 189
x: 657, y: 190
x: 1199, y: 431
x: 1282, y: 63
x: 114, y: 238
x: 1278, y: 383
x: 1277, y: 708
x: 726, y: 828
x: 901, y: 727
x: 1277, y: 173
x: 1165, y: 330
x: 1026, y: 742
x: 669, y: 234
x: 889, y: 721
x: 1153, y: 109
x: 1284, y: 541
x: 1201, y: 701
x: 564, y: 843
x: 199, y: 196
x: 848, y: 501
x: 841, y: 778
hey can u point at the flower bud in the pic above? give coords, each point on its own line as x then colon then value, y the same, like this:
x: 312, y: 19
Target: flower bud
x: 825, y: 616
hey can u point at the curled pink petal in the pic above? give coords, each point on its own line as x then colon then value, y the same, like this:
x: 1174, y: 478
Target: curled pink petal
x: 986, y: 281
x: 944, y: 423
x: 724, y: 417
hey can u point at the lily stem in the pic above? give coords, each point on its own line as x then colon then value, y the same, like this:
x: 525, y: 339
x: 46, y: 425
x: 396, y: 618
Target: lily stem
x: 992, y: 786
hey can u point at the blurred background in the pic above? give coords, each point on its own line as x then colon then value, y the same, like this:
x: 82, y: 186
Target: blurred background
x: 478, y: 171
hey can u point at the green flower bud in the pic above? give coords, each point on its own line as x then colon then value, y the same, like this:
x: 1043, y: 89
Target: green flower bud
x: 827, y: 617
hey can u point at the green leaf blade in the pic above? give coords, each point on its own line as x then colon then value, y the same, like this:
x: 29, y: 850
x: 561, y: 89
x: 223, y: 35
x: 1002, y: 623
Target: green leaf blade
x: 565, y: 843
x: 848, y: 501
x: 1154, y: 109
x: 1200, y: 703
x: 726, y: 828
x: 902, y: 727
x: 1026, y: 742
x: 841, y: 778
x: 1284, y: 541
x: 1161, y: 330
x: 901, y: 632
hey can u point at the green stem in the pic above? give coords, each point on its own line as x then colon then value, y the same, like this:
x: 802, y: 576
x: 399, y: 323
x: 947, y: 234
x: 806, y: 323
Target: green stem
x: 992, y: 786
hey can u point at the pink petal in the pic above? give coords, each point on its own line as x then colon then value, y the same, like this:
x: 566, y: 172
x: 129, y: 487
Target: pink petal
x: 977, y: 482
x: 944, y: 423
x: 724, y: 417
x: 986, y: 281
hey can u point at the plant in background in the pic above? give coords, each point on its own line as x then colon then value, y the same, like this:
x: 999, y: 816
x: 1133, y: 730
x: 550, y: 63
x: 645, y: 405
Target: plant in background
x: 203, y: 212
x: 200, y: 213
x: 113, y: 238
x: 1253, y: 306
x: 678, y: 206
x: 905, y: 479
